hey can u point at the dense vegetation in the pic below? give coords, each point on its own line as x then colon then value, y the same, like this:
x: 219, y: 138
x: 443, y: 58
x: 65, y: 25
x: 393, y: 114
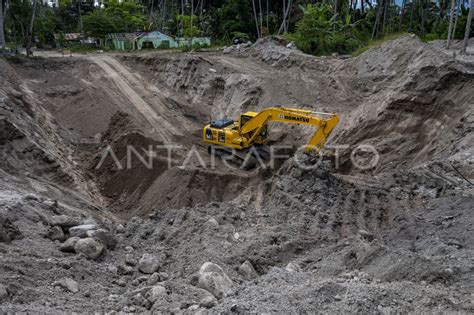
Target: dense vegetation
x: 317, y: 27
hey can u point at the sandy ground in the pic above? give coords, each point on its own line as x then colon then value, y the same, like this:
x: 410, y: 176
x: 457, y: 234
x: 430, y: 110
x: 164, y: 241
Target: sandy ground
x: 395, y: 237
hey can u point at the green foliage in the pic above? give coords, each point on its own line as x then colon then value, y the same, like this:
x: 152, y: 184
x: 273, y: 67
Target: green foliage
x: 115, y: 18
x: 83, y: 48
x: 45, y: 27
x: 321, y: 32
x: 18, y: 14
x: 233, y: 16
x: 190, y: 26
x: 323, y: 28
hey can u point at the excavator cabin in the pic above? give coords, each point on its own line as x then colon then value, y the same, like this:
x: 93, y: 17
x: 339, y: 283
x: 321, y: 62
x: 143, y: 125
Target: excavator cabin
x: 226, y: 132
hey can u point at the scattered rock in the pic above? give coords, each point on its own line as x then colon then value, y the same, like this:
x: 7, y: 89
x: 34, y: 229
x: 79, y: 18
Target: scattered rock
x: 139, y: 300
x: 120, y: 229
x: 366, y: 235
x: 68, y: 284
x: 247, y: 271
x: 69, y: 244
x: 104, y: 237
x: 81, y: 230
x: 124, y: 270
x: 193, y: 307
x: 292, y: 267
x: 130, y: 260
x: 228, y: 50
x: 156, y: 293
x: 55, y: 233
x: 3, y: 293
x: 208, y: 301
x: 122, y: 282
x: 8, y: 231
x: 148, y: 264
x: 154, y: 279
x: 212, y: 222
x: 164, y: 276
x: 213, y: 279
x: 63, y: 221
x: 89, y: 247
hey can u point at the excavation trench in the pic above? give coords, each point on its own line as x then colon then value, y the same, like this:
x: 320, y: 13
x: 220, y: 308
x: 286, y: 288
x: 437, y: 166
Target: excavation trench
x: 85, y: 139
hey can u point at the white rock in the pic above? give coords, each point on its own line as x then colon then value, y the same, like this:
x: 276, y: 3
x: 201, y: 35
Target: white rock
x: 81, y: 230
x: 68, y: 284
x: 213, y: 279
x: 89, y: 247
x: 212, y: 222
x: 148, y: 264
x: 247, y: 271
x: 291, y: 267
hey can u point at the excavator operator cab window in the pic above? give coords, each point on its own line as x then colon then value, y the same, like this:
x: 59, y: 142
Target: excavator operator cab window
x: 245, y: 118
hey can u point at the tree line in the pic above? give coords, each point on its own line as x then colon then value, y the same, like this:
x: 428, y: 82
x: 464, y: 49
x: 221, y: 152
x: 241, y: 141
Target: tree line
x: 316, y: 26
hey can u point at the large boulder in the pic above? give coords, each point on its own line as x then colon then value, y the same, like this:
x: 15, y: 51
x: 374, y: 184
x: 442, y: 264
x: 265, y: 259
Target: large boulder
x: 69, y: 244
x: 104, y: 237
x: 63, y: 221
x: 148, y: 263
x: 89, y: 247
x: 55, y: 233
x: 213, y: 279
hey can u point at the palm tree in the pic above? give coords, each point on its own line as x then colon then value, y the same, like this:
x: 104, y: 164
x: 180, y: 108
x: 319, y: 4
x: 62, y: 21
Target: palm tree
x: 2, y: 33
x: 451, y: 22
x: 29, y: 39
x: 468, y: 27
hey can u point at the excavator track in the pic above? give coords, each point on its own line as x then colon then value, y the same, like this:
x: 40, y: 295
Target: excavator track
x: 243, y: 159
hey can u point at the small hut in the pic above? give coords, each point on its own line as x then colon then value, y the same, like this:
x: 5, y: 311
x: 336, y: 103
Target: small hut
x: 155, y: 39
x: 125, y: 41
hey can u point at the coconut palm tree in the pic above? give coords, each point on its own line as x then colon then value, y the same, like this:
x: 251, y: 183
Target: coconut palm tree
x: 2, y: 32
x: 468, y: 27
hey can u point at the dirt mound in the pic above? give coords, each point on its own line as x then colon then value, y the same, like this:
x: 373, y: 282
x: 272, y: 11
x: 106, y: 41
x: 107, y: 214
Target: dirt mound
x: 417, y: 111
x: 276, y: 51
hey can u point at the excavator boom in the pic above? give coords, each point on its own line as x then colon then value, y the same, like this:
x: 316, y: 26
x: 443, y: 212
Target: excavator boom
x: 250, y: 130
x: 294, y: 116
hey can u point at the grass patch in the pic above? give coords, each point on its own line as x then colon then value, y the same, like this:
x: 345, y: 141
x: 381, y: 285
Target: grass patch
x: 84, y: 49
x: 377, y: 43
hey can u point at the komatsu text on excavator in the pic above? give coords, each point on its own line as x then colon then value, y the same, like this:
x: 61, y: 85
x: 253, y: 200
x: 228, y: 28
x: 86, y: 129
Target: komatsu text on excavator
x: 229, y: 137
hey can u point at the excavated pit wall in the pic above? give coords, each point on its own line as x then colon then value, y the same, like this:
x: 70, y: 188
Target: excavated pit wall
x: 394, y: 238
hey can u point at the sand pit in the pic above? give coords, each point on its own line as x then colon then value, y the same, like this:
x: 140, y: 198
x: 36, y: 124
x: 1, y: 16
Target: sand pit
x: 395, y: 237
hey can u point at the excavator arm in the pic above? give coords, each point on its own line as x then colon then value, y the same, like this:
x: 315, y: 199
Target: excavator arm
x: 253, y: 127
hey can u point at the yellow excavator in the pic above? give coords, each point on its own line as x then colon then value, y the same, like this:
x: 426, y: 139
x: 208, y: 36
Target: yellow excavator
x: 236, y: 138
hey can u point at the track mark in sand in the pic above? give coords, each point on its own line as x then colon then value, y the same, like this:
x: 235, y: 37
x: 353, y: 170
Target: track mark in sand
x: 151, y: 92
x: 124, y: 81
